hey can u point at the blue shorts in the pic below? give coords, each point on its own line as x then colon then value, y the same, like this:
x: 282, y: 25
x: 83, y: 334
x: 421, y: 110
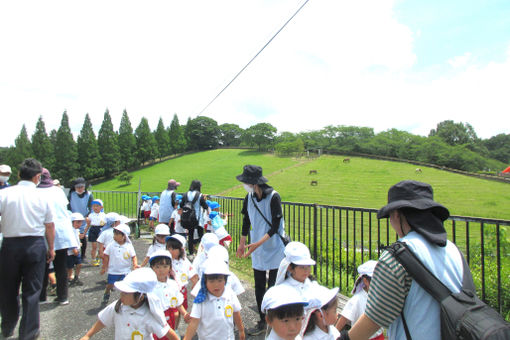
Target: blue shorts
x: 112, y: 278
x: 73, y: 260
x: 153, y: 219
x: 94, y: 232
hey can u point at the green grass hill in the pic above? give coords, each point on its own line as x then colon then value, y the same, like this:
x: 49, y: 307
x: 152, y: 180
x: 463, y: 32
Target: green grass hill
x: 360, y: 183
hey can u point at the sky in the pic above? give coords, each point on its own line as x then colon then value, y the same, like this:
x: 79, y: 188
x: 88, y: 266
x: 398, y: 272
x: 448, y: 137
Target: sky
x: 384, y: 64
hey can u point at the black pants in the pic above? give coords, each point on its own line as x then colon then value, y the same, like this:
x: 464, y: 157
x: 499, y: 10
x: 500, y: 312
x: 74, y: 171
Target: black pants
x: 191, y: 245
x: 260, y: 286
x: 60, y: 266
x: 83, y: 242
x: 22, y: 261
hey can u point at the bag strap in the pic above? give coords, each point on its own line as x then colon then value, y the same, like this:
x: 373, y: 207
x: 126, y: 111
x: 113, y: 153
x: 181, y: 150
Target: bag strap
x: 264, y: 217
x: 195, y: 199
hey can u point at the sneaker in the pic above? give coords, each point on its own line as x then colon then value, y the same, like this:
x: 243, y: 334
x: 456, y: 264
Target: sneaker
x: 77, y: 282
x: 259, y: 328
x: 52, y: 291
x: 63, y: 303
x: 106, y: 297
x: 44, y: 302
x: 96, y: 263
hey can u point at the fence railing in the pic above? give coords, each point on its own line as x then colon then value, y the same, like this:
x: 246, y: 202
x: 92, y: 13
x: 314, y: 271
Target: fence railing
x: 341, y: 238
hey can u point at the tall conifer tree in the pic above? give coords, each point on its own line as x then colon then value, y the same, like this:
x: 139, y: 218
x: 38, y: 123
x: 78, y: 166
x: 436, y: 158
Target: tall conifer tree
x: 22, y: 149
x: 88, y: 151
x: 127, y: 143
x: 42, y: 146
x: 108, y: 147
x: 176, y: 136
x: 66, y: 157
x: 161, y: 136
x: 146, y: 147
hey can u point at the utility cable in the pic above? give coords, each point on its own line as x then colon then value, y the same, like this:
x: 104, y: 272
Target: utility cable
x: 256, y: 55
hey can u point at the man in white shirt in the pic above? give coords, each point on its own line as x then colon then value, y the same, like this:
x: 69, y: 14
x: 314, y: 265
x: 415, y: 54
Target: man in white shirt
x: 27, y: 219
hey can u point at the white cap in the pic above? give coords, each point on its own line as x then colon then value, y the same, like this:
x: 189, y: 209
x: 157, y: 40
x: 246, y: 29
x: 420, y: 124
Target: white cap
x: 299, y: 254
x: 112, y: 217
x: 212, y: 266
x: 218, y: 253
x: 142, y: 280
x: 97, y: 201
x: 321, y: 296
x: 179, y: 238
x: 5, y: 168
x: 281, y: 295
x: 209, y: 240
x: 160, y: 253
x: 367, y: 269
x: 124, y: 220
x: 76, y: 216
x: 123, y: 228
x: 162, y: 229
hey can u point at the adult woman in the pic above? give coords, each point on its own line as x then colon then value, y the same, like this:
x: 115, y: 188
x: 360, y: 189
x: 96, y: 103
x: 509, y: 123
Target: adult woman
x: 200, y: 203
x: 263, y: 211
x: 64, y: 235
x: 80, y: 200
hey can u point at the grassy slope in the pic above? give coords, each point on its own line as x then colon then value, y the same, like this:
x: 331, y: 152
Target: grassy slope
x: 360, y: 183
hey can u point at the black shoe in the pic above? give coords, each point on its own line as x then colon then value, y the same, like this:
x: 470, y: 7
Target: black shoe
x: 106, y: 297
x: 259, y: 328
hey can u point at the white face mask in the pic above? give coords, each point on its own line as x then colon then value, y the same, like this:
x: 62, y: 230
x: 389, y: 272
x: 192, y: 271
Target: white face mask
x: 248, y: 187
x: 4, y: 179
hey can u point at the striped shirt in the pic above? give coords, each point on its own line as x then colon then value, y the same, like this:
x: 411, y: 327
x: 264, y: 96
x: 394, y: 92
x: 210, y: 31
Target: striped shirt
x: 389, y: 287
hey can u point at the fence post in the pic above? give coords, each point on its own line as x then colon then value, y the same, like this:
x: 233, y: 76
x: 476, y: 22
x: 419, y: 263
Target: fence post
x: 315, y: 237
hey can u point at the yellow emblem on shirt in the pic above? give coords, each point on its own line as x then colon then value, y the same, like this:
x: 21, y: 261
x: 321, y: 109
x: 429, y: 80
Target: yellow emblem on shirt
x: 229, y: 311
x: 184, y: 277
x: 173, y: 302
x: 126, y: 255
x: 136, y: 335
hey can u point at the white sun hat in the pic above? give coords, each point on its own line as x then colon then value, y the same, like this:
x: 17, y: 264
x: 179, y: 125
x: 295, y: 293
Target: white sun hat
x: 160, y: 253
x: 162, y: 229
x: 367, y: 269
x: 179, y: 238
x: 76, y: 216
x: 212, y: 266
x: 142, y: 280
x: 280, y: 295
x: 297, y: 253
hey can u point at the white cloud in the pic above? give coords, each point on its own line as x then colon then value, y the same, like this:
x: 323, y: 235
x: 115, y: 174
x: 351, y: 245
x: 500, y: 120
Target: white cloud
x: 340, y: 63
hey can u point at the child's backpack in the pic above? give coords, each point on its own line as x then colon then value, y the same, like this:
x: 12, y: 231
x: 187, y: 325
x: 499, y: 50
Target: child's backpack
x: 463, y: 315
x: 189, y: 218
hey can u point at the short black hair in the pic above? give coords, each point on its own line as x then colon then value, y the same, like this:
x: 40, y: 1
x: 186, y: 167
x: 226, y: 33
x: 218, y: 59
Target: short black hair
x: 173, y: 243
x: 195, y: 185
x: 286, y: 311
x: 215, y: 277
x: 160, y: 260
x: 29, y: 168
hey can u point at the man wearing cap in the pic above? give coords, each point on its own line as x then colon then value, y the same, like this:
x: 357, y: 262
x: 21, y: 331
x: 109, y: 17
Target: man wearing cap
x: 167, y: 202
x: 418, y: 221
x: 27, y: 220
x: 5, y: 173
x: 262, y: 210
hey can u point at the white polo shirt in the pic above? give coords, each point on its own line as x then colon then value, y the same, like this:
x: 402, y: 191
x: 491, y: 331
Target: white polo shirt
x: 24, y: 210
x: 319, y: 334
x: 155, y: 247
x: 216, y: 315
x: 120, y: 257
x: 183, y: 270
x: 169, y: 294
x: 132, y: 323
x: 106, y: 237
x: 97, y: 219
x: 177, y: 222
x: 355, y: 307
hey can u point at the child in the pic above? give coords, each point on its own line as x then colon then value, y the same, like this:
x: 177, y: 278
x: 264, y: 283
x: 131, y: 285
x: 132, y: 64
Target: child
x: 95, y: 221
x: 154, y: 215
x: 217, y: 226
x: 167, y: 290
x: 119, y: 257
x: 158, y: 243
x: 184, y: 272
x: 106, y: 236
x: 355, y: 307
x: 216, y: 307
x: 284, y: 310
x: 73, y: 254
x: 175, y: 219
x: 321, y: 315
x: 136, y: 314
x: 209, y: 240
x: 294, y: 270
x: 146, y: 208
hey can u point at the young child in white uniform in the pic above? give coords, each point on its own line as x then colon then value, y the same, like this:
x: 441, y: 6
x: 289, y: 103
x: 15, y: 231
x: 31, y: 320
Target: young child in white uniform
x: 208, y: 241
x: 119, y: 257
x: 167, y: 290
x: 158, y: 243
x: 356, y: 305
x: 216, y: 307
x: 154, y: 215
x: 284, y: 310
x: 321, y: 315
x: 136, y: 315
x: 95, y: 221
x: 106, y: 236
x: 73, y: 260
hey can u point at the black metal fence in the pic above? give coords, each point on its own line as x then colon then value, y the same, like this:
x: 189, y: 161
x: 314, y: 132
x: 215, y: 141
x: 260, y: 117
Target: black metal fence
x: 341, y: 238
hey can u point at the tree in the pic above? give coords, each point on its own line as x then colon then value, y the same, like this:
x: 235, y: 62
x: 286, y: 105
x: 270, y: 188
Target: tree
x: 162, y: 139
x: 499, y: 147
x: 127, y: 143
x: 262, y: 135
x: 66, y: 156
x: 42, y: 146
x: 203, y: 133
x: 176, y: 136
x: 146, y: 146
x: 22, y: 149
x: 230, y: 134
x: 88, y: 151
x: 108, y: 146
x: 126, y: 177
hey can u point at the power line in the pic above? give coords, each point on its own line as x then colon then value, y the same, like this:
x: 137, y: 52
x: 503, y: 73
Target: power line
x: 256, y: 55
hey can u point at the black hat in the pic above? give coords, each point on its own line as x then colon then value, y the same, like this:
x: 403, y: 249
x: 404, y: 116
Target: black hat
x: 412, y: 194
x: 252, y: 174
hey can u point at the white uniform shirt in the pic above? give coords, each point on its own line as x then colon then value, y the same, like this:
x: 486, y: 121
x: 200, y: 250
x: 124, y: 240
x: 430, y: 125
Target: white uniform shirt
x: 183, y: 270
x: 169, y: 294
x: 97, y: 219
x: 177, y: 222
x: 154, y: 210
x: 24, y: 210
x: 305, y: 289
x: 133, y: 324
x: 77, y: 238
x: 216, y: 315
x: 233, y: 282
x: 318, y: 334
x: 355, y: 307
x: 106, y: 237
x: 120, y: 257
x: 273, y: 336
x: 155, y: 247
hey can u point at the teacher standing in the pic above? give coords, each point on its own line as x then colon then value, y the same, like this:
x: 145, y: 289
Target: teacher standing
x: 262, y: 209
